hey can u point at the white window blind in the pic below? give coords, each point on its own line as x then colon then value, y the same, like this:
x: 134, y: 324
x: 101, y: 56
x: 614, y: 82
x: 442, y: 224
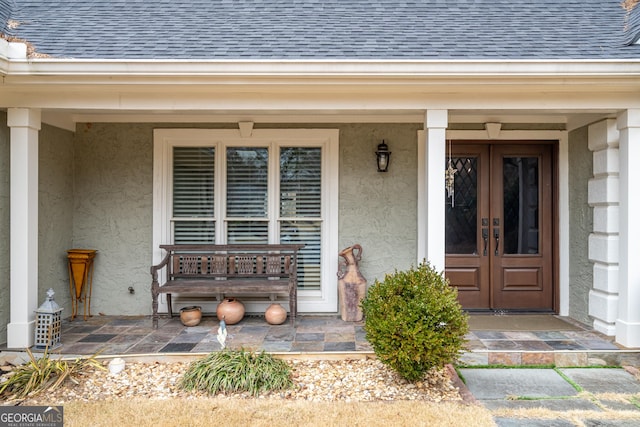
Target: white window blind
x: 193, y: 195
x: 247, y: 195
x: 301, y: 207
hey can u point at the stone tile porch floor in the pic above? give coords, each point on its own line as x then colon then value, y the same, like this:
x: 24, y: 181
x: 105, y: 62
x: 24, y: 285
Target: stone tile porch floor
x: 129, y: 336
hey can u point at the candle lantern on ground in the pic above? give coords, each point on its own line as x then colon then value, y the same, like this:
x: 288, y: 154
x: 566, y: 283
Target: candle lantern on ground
x: 48, y: 324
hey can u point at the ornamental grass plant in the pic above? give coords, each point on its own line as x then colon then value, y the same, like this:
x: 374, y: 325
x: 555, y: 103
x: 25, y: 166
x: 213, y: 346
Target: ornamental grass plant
x: 43, y: 374
x: 414, y: 321
x: 237, y: 370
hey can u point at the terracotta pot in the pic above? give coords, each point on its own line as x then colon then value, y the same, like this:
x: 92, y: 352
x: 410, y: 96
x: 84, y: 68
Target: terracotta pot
x: 231, y: 310
x: 275, y: 314
x: 190, y: 316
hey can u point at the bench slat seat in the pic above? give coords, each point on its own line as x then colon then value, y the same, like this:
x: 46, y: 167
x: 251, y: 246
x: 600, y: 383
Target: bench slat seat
x: 226, y: 269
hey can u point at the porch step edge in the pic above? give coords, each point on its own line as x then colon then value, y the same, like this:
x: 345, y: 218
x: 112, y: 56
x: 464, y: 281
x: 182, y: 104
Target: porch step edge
x: 560, y: 358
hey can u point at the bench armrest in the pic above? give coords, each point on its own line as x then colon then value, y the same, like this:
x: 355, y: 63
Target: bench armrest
x: 156, y: 268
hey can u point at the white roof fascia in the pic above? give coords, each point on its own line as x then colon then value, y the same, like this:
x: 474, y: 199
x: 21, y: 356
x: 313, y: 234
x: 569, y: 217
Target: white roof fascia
x: 335, y: 85
x: 10, y: 51
x: 110, y: 69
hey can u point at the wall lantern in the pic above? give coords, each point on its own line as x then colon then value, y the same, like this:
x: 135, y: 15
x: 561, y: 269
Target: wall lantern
x: 383, y: 156
x: 48, y: 324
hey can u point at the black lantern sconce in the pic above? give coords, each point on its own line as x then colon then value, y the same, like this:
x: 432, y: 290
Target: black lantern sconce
x: 383, y: 156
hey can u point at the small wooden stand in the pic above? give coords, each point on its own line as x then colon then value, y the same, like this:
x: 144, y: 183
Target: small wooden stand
x: 81, y: 279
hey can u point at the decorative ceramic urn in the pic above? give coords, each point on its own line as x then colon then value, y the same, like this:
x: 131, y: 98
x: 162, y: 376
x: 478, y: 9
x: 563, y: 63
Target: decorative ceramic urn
x: 190, y: 316
x: 275, y: 314
x: 231, y: 310
x: 352, y: 286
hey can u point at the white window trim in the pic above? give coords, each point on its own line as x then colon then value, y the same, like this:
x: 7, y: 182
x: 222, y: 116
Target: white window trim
x: 323, y: 301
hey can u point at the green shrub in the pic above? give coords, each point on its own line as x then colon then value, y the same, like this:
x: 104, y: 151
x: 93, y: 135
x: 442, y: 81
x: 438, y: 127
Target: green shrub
x: 237, y: 370
x: 414, y: 322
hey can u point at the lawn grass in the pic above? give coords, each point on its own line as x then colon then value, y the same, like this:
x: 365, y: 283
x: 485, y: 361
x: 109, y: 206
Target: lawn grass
x: 263, y: 412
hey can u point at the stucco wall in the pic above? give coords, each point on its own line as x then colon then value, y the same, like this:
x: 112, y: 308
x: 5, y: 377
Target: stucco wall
x: 580, y: 225
x: 96, y: 192
x: 55, y: 213
x: 379, y: 210
x: 4, y: 226
x: 113, y: 204
x: 113, y: 212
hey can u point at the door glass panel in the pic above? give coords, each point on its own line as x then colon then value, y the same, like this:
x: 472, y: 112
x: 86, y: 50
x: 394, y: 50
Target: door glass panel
x: 300, y: 182
x: 301, y: 209
x: 247, y: 195
x: 520, y: 205
x: 461, y: 230
x: 248, y: 232
x: 247, y: 182
x: 309, y: 233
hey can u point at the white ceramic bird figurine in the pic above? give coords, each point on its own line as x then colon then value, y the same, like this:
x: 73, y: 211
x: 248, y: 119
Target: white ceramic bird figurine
x: 222, y: 333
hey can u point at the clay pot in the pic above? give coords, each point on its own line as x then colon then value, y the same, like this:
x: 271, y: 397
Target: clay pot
x: 231, y: 310
x: 352, y: 286
x: 190, y: 316
x: 275, y: 314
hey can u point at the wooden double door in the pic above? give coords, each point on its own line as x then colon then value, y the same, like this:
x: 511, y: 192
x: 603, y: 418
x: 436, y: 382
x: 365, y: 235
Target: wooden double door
x: 500, y: 225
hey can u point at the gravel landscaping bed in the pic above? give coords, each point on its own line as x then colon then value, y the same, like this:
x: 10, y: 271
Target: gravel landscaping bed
x: 314, y: 380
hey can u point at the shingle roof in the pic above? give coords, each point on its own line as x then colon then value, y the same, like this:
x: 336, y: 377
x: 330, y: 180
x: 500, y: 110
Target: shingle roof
x: 632, y: 26
x: 5, y: 13
x: 325, y: 29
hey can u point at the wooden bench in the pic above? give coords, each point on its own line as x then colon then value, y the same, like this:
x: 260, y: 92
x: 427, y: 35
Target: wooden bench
x: 204, y: 269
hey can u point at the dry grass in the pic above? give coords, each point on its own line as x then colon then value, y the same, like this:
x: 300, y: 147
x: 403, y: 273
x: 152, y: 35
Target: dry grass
x: 256, y: 412
x: 629, y: 4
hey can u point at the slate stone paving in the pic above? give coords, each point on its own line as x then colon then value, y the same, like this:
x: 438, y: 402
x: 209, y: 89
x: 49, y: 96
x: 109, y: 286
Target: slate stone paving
x: 98, y: 338
x: 178, y: 347
x: 135, y: 335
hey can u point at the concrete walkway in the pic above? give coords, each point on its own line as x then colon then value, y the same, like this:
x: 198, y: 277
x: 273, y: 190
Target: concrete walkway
x: 556, y: 397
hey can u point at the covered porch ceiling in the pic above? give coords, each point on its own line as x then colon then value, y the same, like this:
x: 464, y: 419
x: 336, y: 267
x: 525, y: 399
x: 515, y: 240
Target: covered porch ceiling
x: 555, y: 119
x: 68, y: 91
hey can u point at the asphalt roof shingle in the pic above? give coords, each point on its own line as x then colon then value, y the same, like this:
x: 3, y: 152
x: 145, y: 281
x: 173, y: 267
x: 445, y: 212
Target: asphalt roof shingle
x: 325, y: 29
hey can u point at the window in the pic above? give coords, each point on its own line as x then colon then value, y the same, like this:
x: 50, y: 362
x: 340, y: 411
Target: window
x: 193, y: 195
x: 277, y: 186
x: 300, y: 208
x: 247, y: 195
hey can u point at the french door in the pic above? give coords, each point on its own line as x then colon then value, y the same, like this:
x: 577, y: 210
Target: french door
x: 272, y: 186
x: 500, y: 226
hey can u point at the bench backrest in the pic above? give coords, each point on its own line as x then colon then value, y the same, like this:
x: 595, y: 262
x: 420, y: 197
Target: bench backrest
x: 231, y: 261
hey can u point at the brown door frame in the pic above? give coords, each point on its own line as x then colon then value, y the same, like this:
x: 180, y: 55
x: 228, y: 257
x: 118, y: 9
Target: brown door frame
x: 471, y: 269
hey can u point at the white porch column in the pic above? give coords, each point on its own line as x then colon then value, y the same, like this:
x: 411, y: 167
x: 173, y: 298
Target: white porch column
x: 436, y: 122
x: 603, y: 241
x: 24, y: 124
x: 628, y: 321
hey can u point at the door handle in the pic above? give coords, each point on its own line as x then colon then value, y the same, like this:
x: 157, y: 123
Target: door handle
x: 496, y: 235
x: 485, y: 235
x: 485, y: 238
